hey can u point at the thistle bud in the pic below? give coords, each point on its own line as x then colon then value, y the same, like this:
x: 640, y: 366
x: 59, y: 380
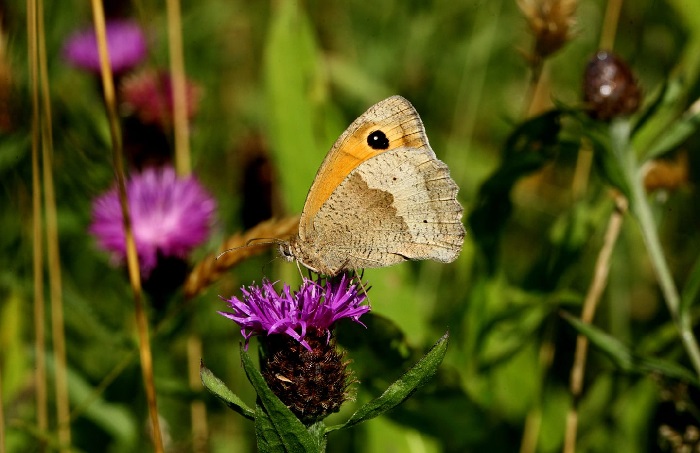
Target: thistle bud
x: 610, y: 88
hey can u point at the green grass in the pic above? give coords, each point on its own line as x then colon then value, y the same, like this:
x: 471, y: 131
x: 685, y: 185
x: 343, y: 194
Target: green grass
x: 295, y: 74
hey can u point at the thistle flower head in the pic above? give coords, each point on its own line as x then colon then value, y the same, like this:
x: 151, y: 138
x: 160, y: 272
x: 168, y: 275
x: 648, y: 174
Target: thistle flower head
x: 317, y: 305
x: 301, y: 363
x: 169, y: 216
x: 126, y: 44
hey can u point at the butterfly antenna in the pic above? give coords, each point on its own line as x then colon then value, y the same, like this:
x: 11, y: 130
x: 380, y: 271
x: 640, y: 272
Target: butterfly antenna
x: 249, y: 244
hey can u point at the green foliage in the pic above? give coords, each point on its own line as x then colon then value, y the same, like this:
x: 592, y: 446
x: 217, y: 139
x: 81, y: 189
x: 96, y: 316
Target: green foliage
x: 219, y: 389
x: 402, y: 388
x: 626, y: 360
x: 290, y: 76
x: 278, y: 429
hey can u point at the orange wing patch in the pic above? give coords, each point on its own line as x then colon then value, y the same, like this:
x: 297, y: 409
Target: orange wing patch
x: 395, y: 117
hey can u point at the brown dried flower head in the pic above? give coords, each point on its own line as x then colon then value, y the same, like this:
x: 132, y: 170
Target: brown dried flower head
x: 551, y: 22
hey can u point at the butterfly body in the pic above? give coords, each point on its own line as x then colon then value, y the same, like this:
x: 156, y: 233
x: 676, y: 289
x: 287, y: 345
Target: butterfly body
x: 380, y: 197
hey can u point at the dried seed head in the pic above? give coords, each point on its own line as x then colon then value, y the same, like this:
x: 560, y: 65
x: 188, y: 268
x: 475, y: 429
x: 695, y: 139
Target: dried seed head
x: 551, y: 22
x: 610, y: 88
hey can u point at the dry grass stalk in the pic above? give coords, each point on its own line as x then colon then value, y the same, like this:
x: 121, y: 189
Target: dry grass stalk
x: 210, y: 268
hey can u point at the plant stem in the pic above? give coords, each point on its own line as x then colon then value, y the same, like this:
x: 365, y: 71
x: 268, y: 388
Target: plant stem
x: 595, y: 292
x: 179, y: 93
x: 612, y: 16
x: 639, y: 206
x: 198, y: 410
x: 40, y: 381
x: 58, y: 335
x: 131, y: 254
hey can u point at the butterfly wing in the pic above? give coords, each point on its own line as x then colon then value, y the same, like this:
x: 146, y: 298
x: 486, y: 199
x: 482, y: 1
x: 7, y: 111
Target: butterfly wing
x: 395, y: 119
x: 396, y: 206
x: 380, y: 197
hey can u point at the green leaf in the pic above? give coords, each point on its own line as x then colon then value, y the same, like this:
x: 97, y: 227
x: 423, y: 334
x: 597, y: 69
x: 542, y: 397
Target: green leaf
x: 691, y: 290
x: 657, y: 101
x: 292, y: 434
x: 509, y: 332
x: 219, y: 389
x: 114, y: 418
x: 625, y: 358
x: 607, y: 161
x: 677, y: 133
x: 292, y: 84
x: 267, y: 438
x: 664, y: 109
x: 404, y: 387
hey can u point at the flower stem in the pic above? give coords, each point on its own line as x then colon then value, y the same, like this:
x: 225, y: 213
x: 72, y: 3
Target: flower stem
x: 595, y: 292
x: 40, y: 380
x: 177, y: 69
x: 131, y: 255
x: 640, y: 208
x: 58, y: 335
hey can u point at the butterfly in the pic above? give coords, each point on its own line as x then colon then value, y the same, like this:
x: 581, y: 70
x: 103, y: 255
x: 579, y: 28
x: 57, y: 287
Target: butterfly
x: 380, y: 197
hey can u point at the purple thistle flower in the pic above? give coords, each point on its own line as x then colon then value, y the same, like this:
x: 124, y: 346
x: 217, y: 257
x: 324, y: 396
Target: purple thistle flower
x: 315, y: 306
x: 169, y: 216
x: 125, y: 40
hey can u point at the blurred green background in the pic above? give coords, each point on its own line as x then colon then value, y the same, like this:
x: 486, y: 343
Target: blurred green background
x: 284, y: 79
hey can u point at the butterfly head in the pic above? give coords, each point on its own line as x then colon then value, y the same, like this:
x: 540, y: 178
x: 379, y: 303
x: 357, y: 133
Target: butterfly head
x: 292, y: 250
x: 285, y: 249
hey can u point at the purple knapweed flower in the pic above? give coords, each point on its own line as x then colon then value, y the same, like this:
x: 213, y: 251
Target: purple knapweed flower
x: 126, y: 44
x: 169, y: 216
x: 315, y: 306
